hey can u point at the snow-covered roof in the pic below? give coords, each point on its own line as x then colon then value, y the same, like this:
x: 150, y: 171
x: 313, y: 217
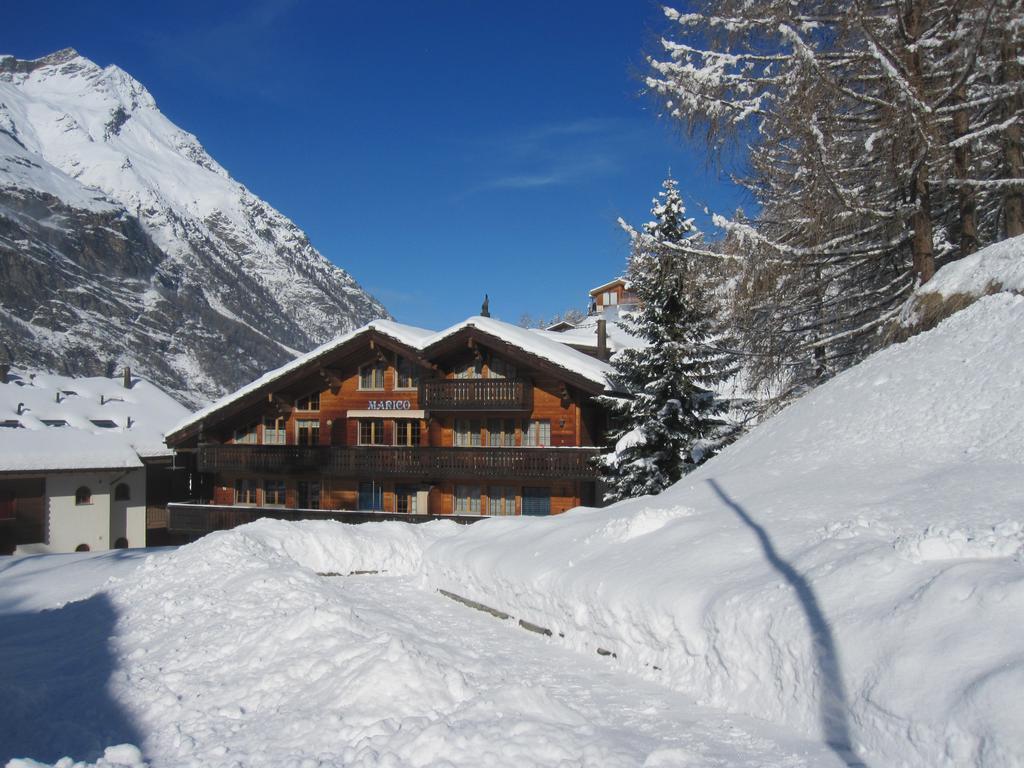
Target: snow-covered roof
x: 53, y: 422
x: 585, y: 334
x: 552, y: 350
x: 609, y: 284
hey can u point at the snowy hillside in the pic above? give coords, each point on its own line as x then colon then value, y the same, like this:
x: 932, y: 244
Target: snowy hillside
x: 122, y: 241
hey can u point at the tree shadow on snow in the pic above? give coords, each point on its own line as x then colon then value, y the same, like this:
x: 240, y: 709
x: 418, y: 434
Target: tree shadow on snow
x: 833, y: 708
x: 55, y: 668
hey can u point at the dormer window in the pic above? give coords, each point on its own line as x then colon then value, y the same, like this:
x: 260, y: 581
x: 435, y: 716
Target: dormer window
x: 407, y: 374
x: 310, y: 402
x: 54, y: 422
x: 104, y: 423
x: 371, y: 375
x: 10, y: 424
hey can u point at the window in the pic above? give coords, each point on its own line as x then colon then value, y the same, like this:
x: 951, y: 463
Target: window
x: 474, y: 369
x: 307, y: 431
x: 537, y: 501
x: 501, y: 433
x: 310, y: 402
x: 121, y: 543
x: 245, y: 491
x: 122, y: 492
x: 500, y: 369
x: 405, y: 499
x: 537, y: 432
x: 407, y: 374
x: 309, y: 494
x: 371, y: 431
x: 10, y: 423
x: 371, y: 497
x: 467, y: 499
x: 274, y: 430
x: 273, y: 493
x: 610, y: 298
x: 501, y: 500
x: 371, y: 375
x: 104, y: 423
x: 407, y: 432
x: 54, y: 422
x: 83, y: 496
x: 246, y: 435
x: 467, y: 432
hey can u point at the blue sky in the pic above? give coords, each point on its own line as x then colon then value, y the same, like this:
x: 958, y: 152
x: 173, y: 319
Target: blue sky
x: 436, y: 150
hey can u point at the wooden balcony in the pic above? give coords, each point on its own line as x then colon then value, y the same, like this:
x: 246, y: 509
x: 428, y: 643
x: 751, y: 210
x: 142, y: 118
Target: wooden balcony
x: 428, y: 463
x: 451, y: 395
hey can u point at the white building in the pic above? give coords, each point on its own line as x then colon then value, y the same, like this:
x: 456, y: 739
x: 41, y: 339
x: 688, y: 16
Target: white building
x: 73, y: 456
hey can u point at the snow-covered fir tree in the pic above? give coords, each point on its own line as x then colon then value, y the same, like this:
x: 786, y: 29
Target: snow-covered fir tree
x: 668, y: 417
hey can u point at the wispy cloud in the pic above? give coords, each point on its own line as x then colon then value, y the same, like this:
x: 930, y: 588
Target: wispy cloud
x: 552, y: 154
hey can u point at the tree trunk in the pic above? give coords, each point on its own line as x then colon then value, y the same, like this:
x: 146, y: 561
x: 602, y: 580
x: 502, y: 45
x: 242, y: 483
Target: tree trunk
x: 1013, y: 202
x: 967, y: 198
x: 921, y: 221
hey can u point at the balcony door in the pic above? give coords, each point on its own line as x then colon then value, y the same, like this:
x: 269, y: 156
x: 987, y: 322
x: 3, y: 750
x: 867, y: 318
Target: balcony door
x: 371, y: 497
x: 536, y: 501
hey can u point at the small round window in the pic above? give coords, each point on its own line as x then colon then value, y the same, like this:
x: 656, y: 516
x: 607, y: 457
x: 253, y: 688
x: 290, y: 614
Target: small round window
x: 83, y: 496
x: 122, y: 492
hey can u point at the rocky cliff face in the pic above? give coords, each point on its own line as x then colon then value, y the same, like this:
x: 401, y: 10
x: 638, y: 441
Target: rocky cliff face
x: 122, y: 242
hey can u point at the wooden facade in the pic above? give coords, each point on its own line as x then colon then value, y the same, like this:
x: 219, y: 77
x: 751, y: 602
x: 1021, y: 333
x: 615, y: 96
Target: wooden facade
x: 472, y: 426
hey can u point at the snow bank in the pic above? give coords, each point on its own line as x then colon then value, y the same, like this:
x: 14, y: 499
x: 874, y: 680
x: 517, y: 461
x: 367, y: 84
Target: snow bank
x: 996, y: 268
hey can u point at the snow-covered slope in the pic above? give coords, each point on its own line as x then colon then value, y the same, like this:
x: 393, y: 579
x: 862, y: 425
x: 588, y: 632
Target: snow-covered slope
x: 123, y: 241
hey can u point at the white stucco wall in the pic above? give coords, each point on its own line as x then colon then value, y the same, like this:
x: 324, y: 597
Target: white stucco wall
x: 102, y: 521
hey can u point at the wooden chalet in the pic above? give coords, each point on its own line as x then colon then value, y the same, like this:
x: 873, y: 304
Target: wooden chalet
x: 484, y: 418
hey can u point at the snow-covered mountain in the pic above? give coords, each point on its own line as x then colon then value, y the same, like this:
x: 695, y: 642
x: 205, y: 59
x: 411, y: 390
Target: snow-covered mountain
x: 122, y: 242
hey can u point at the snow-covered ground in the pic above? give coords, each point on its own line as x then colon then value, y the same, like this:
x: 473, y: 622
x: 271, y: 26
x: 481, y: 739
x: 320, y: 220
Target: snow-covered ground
x: 850, y: 574
x: 232, y: 653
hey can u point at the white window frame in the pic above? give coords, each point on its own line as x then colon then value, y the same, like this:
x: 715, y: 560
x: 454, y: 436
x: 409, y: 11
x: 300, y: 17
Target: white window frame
x: 381, y: 366
x: 537, y: 433
x: 467, y: 500
x: 504, y: 496
x: 373, y: 440
x: 308, y: 424
x: 468, y: 438
x: 413, y: 368
x: 276, y: 435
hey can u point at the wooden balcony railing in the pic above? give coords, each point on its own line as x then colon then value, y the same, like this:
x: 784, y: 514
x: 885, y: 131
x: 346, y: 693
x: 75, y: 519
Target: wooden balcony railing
x: 427, y: 463
x: 477, y: 395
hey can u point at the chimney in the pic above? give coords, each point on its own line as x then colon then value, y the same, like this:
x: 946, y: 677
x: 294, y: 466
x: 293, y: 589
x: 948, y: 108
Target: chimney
x: 485, y: 309
x: 127, y: 377
x: 602, y: 339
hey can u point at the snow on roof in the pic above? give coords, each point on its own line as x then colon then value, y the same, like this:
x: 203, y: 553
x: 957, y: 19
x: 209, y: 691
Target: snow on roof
x: 546, y: 347
x: 419, y: 339
x: 409, y: 335
x: 609, y: 284
x: 51, y: 422
x: 585, y: 334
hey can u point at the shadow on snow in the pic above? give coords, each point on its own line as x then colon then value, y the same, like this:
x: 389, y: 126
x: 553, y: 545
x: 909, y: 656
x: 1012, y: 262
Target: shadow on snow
x: 55, y: 669
x: 833, y: 707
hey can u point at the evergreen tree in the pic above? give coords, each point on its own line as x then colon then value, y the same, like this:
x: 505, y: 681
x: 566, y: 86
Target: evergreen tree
x: 668, y: 417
